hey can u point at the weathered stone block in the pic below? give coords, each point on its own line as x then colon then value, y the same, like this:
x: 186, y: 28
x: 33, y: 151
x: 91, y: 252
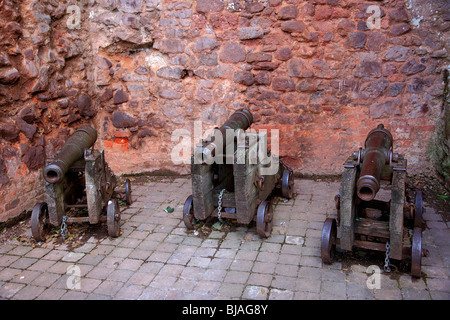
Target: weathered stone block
x: 386, y: 109
x: 398, y: 53
x: 376, y: 41
x: 85, y: 107
x: 283, y: 54
x: 130, y: 6
x: 298, y: 68
x: 123, y: 120
x: 258, y: 57
x: 170, y: 46
x: 233, y: 52
x: 356, y: 40
x: 368, y: 69
x: 287, y: 12
x: 205, y: 43
x: 34, y: 157
x: 263, y: 78
x: 283, y: 84
x: 248, y: 33
x: 170, y: 73
x: 9, y: 75
x: 120, y: 96
x: 27, y: 129
x: 207, y: 58
x: 373, y: 89
x: 9, y: 131
x: 243, y: 77
x: 293, y: 26
x: 400, y: 28
x: 412, y: 67
x: 399, y: 14
x: 170, y: 94
x: 206, y: 6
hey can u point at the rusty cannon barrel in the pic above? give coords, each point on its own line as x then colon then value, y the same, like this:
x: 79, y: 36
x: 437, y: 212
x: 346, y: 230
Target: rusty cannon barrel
x: 377, y: 153
x: 83, y: 138
x: 241, y: 119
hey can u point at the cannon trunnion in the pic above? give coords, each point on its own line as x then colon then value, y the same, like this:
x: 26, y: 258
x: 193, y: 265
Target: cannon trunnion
x: 78, y: 178
x: 367, y: 222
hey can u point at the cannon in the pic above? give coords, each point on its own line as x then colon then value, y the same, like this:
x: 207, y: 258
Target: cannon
x: 364, y: 221
x: 78, y: 178
x: 234, y: 176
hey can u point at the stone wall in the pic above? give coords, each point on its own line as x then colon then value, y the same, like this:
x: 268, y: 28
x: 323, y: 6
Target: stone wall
x: 139, y: 69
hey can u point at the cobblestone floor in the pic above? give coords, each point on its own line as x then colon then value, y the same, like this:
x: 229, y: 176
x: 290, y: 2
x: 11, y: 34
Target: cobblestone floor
x: 155, y: 258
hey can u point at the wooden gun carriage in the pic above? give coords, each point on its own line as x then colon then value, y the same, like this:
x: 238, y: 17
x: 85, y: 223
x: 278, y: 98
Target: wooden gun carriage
x: 236, y: 187
x: 398, y: 231
x: 79, y: 178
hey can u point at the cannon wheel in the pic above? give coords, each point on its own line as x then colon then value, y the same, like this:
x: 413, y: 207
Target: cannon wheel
x: 416, y: 252
x: 113, y: 218
x: 328, y: 240
x: 287, y: 184
x: 418, y: 212
x: 128, y: 198
x: 264, y: 219
x: 40, y: 221
x: 188, y: 213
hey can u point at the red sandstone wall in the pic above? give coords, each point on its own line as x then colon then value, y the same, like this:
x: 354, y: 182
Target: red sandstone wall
x: 139, y: 69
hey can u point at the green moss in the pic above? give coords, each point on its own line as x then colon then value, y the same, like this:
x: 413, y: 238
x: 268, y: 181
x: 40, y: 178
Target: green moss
x: 439, y: 149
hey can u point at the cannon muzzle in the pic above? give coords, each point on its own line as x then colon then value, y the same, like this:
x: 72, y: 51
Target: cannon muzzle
x: 377, y: 151
x: 241, y: 119
x: 83, y: 138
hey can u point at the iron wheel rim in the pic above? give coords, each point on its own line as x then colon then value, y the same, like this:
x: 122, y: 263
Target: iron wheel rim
x: 418, y: 212
x: 40, y: 221
x: 264, y: 219
x: 416, y: 253
x: 113, y: 218
x: 328, y: 240
x: 287, y: 184
x: 188, y: 213
x: 128, y: 197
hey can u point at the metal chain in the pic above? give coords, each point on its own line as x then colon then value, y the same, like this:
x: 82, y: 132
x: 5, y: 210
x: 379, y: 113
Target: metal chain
x: 219, y: 208
x: 386, y: 260
x: 64, y: 227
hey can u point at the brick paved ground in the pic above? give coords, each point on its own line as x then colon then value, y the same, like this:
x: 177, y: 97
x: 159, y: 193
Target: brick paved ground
x: 155, y: 258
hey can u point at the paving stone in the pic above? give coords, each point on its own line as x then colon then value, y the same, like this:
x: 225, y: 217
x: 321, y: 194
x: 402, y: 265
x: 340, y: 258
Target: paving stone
x: 255, y: 293
x: 120, y: 275
x: 276, y: 294
x: 236, y: 277
x: 9, y: 289
x: 29, y: 292
x: 7, y: 260
x: 162, y: 281
x: 8, y: 273
x: 231, y: 290
x: 26, y: 276
x: 208, y: 288
x: 51, y: 294
x: 109, y: 288
x: 72, y: 256
x: 74, y: 295
x: 130, y: 292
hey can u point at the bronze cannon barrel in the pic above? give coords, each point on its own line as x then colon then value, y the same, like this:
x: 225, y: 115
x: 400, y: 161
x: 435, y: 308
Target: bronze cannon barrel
x: 83, y: 138
x: 376, y: 154
x: 241, y: 119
